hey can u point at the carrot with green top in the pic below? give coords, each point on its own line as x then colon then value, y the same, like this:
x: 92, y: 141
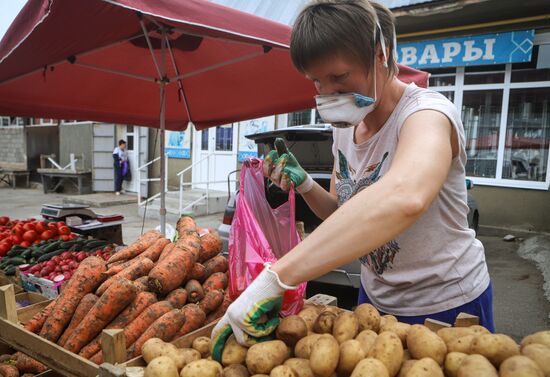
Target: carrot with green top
x: 119, y: 295
x: 82, y: 309
x: 85, y: 280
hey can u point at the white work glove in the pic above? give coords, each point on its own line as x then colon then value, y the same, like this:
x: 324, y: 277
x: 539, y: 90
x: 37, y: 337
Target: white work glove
x: 254, y: 315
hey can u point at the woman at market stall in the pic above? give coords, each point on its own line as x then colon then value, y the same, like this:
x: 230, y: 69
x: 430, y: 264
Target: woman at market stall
x: 398, y: 196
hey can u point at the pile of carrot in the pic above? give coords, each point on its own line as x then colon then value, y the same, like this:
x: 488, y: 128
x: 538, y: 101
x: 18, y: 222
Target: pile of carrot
x: 151, y: 288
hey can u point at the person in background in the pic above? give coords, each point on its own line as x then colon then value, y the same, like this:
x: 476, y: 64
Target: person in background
x: 397, y: 200
x: 120, y: 156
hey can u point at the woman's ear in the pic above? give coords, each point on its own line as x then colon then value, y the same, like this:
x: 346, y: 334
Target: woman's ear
x: 381, y: 58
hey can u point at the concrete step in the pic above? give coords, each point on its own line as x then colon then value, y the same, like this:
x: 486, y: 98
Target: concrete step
x: 216, y: 203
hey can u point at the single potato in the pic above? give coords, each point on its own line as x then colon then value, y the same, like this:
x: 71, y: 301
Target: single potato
x: 422, y: 342
x: 476, y: 366
x: 351, y: 353
x: 540, y: 354
x: 478, y: 330
x: 261, y: 358
x: 368, y: 317
x: 233, y: 352
x: 405, y: 367
x: 400, y: 328
x: 370, y: 367
x: 367, y: 339
x: 387, y: 318
x: 388, y: 349
x: 309, y: 315
x: 324, y: 356
x: 425, y: 367
x: 156, y: 347
x: 300, y: 367
x: 346, y: 327
x: 202, y: 368
x: 161, y: 366
x: 303, y: 347
x: 495, y: 347
x: 461, y: 344
x: 520, y: 366
x: 235, y: 370
x: 324, y: 323
x: 202, y: 344
x: 291, y: 330
x: 452, y: 363
x: 282, y: 371
x: 449, y: 334
x: 541, y: 337
x: 183, y: 356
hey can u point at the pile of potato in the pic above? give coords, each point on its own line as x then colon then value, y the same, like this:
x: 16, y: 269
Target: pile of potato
x: 328, y: 342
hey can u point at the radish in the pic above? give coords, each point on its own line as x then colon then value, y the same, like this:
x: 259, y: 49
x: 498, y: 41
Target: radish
x: 58, y: 278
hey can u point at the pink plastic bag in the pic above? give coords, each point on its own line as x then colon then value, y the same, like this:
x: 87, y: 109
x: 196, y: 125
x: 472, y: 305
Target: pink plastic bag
x: 261, y: 234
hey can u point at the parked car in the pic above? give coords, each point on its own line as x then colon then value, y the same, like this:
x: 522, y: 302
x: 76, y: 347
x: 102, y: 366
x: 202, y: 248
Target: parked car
x: 312, y: 147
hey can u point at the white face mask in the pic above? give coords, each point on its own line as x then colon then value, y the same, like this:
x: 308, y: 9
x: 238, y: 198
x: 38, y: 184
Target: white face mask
x: 349, y: 109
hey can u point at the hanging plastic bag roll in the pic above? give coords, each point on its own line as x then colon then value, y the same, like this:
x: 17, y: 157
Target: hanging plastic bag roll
x: 261, y: 234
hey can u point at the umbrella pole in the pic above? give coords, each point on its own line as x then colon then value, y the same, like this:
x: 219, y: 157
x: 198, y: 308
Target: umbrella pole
x: 162, y: 160
x: 162, y: 128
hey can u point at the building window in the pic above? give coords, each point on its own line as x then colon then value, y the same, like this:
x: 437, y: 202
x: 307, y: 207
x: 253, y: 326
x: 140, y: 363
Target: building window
x: 299, y: 117
x: 204, y: 140
x: 527, y: 135
x: 506, y: 115
x: 224, y: 138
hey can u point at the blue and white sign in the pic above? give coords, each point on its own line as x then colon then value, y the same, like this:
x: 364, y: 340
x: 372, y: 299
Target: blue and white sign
x: 499, y: 48
x: 247, y: 147
x: 178, y: 144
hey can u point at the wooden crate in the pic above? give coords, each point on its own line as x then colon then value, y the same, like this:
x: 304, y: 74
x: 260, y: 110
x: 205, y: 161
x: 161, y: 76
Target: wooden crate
x: 15, y: 280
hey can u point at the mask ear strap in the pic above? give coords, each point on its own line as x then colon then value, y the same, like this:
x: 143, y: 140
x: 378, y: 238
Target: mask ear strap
x: 382, y: 43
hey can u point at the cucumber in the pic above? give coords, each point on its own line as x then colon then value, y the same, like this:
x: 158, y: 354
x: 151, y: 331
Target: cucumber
x: 17, y: 261
x: 10, y: 270
x: 27, y: 253
x: 68, y: 244
x: 49, y: 256
x: 52, y: 246
x: 94, y: 245
x: 15, y: 251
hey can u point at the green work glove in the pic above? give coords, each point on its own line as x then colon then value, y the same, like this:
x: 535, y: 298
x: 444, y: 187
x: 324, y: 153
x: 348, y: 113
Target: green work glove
x: 282, y: 168
x: 254, y: 315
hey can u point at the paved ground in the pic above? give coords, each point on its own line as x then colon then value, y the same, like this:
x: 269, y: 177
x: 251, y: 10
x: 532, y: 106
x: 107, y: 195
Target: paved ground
x: 520, y: 305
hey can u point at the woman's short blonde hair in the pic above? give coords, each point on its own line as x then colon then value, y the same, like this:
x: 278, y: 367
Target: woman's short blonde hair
x: 325, y: 27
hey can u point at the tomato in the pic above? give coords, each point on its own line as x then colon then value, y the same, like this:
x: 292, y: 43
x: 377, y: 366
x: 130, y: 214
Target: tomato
x: 17, y: 230
x: 4, y: 220
x: 64, y: 230
x: 36, y: 242
x: 30, y: 236
x: 25, y: 244
x: 48, y: 234
x: 61, y: 223
x: 52, y: 227
x: 65, y: 237
x: 73, y: 236
x: 16, y: 240
x: 40, y: 226
x: 28, y: 226
x: 4, y: 248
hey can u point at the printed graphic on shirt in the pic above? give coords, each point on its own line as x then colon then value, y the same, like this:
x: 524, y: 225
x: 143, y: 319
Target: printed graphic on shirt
x: 349, y: 183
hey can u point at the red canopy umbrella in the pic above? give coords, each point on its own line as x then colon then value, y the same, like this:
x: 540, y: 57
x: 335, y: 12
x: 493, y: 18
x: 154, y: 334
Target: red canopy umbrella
x: 108, y: 60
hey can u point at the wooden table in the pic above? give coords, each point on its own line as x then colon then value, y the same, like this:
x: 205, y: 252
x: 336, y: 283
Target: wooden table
x: 52, y: 179
x: 10, y: 177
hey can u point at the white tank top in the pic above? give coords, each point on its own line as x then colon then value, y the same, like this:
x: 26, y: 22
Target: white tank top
x: 436, y: 264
